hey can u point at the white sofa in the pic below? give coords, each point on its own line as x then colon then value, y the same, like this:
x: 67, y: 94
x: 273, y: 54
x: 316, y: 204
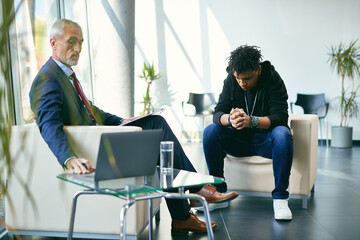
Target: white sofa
x: 52, y: 198
x: 255, y: 173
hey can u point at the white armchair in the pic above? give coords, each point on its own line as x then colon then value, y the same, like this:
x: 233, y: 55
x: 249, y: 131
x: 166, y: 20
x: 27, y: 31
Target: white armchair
x: 255, y: 173
x: 34, y: 162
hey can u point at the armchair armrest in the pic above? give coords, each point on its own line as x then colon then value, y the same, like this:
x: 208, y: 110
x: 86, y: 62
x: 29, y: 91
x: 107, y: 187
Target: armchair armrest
x: 305, y: 137
x: 86, y: 139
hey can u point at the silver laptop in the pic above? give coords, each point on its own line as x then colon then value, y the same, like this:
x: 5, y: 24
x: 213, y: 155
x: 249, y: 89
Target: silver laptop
x: 127, y: 154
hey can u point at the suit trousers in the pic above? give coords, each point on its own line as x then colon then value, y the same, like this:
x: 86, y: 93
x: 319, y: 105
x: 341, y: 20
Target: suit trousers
x: 276, y: 144
x: 179, y: 209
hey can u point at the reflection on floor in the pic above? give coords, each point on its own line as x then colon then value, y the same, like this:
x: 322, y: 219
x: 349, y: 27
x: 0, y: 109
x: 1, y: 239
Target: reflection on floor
x: 333, y: 210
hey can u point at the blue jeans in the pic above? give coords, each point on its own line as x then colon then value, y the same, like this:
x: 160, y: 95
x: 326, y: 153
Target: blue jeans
x: 276, y: 145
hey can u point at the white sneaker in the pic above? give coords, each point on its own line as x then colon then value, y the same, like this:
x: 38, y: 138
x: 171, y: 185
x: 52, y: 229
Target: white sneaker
x: 282, y: 210
x: 213, y: 206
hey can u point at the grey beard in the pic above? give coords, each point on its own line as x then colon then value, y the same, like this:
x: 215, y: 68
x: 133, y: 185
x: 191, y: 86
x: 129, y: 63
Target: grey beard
x: 69, y: 62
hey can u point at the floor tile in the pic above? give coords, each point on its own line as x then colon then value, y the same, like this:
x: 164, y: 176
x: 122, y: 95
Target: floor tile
x: 341, y: 227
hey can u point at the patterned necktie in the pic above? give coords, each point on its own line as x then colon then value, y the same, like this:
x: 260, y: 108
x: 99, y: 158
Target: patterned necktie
x: 83, y: 98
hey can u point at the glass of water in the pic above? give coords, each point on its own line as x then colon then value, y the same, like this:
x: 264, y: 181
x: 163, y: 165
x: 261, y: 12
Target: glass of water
x: 166, y: 156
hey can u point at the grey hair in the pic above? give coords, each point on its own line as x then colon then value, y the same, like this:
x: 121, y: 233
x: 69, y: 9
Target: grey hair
x: 58, y: 27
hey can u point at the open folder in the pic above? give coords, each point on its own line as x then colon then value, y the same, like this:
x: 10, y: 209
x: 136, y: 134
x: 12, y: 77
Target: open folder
x: 133, y: 119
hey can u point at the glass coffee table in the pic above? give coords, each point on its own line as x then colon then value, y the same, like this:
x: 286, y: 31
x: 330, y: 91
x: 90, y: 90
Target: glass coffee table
x: 143, y: 188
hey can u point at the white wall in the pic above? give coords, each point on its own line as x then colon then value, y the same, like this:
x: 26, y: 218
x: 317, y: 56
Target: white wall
x: 189, y: 41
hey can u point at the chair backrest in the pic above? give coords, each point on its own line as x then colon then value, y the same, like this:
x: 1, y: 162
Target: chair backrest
x: 311, y: 103
x: 203, y: 102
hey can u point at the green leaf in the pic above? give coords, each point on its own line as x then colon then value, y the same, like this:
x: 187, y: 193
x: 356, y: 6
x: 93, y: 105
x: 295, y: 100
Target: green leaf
x: 150, y: 74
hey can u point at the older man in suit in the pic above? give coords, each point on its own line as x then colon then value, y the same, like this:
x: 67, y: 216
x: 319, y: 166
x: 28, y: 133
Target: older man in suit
x: 57, y: 99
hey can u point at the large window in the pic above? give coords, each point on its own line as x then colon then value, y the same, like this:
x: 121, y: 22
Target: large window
x: 31, y: 48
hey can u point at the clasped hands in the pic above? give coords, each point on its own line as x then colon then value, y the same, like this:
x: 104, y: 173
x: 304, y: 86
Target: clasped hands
x: 239, y: 119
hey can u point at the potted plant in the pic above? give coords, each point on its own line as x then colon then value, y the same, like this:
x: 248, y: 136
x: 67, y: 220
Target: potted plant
x: 345, y: 60
x: 149, y: 74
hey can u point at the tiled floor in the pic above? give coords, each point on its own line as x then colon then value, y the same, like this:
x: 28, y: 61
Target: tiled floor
x: 333, y: 210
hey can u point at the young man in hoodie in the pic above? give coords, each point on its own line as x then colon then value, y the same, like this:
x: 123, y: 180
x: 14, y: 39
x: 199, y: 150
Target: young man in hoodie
x: 251, y: 118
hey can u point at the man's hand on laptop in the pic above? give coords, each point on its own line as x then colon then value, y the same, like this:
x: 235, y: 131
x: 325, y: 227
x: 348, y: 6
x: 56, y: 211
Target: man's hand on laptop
x: 79, y: 165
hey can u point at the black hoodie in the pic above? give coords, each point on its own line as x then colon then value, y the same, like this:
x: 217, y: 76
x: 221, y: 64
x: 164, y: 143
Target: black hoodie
x: 271, y: 97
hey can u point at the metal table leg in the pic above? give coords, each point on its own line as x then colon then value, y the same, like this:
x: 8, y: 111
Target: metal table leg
x: 129, y: 203
x: 73, y: 210
x: 123, y: 211
x: 150, y: 219
x: 207, y: 216
x: 203, y: 202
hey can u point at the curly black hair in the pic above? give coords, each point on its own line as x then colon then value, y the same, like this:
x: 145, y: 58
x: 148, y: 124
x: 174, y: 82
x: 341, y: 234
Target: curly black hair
x: 244, y: 58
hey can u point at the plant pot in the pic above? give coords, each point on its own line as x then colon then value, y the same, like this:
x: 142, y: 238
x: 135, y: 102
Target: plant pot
x: 341, y: 137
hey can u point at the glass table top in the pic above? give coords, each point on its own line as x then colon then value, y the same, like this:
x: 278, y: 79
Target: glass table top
x: 157, y: 182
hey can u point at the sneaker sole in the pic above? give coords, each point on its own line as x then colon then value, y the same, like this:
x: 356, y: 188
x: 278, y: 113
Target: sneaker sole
x: 283, y: 219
